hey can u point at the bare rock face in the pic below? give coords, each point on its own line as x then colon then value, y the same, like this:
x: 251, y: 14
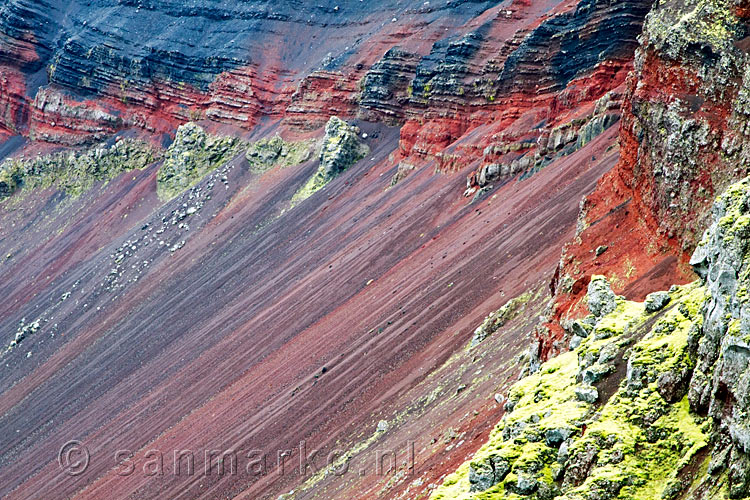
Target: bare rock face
x: 720, y: 384
x: 386, y: 86
x: 69, y: 70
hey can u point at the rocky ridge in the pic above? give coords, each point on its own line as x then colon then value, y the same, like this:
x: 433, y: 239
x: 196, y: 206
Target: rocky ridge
x: 683, y: 140
x: 341, y: 148
x: 651, y: 400
x: 571, y: 432
x: 74, y: 172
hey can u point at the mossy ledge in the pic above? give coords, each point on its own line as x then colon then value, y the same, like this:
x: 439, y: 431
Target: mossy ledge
x: 266, y: 153
x: 194, y: 153
x: 76, y: 171
x: 341, y: 149
x: 558, y: 441
x: 652, y: 400
x: 496, y: 319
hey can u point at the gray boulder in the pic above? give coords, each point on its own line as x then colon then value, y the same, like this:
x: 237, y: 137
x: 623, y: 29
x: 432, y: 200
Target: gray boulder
x: 595, y: 373
x: 555, y: 437
x: 487, y: 473
x: 587, y: 393
x: 601, y: 299
x: 575, y: 342
x: 657, y: 301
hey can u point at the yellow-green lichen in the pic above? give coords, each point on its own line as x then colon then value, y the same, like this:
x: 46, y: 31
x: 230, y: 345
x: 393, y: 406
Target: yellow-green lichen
x: 633, y: 447
x: 192, y: 155
x: 195, y: 153
x: 341, y: 149
x: 75, y: 171
x: 497, y: 319
x: 646, y: 455
x: 266, y: 153
x: 710, y: 23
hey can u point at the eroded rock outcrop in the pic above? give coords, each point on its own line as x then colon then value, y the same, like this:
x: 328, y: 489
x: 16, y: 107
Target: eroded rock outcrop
x: 266, y: 153
x: 557, y: 441
x: 386, y: 86
x: 720, y: 385
x: 77, y: 170
x: 231, y: 63
x: 684, y: 138
x: 341, y: 149
x: 536, y: 85
x: 192, y: 155
x: 497, y: 319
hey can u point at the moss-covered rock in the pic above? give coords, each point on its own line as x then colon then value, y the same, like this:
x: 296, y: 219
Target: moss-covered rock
x: 495, y: 320
x: 685, y: 386
x: 341, y: 149
x: 557, y: 444
x: 709, y: 25
x: 266, y: 153
x: 192, y: 155
x: 721, y: 382
x: 75, y: 171
x: 601, y: 298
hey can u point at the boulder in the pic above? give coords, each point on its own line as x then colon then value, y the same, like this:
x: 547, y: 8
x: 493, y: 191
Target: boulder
x: 672, y: 386
x: 555, y: 437
x: 601, y: 299
x: 656, y: 301
x: 595, y: 373
x: 484, y: 474
x: 341, y: 149
x: 587, y: 393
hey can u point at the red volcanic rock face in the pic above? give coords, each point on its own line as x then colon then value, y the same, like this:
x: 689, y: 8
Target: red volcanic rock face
x: 12, y: 109
x: 683, y: 140
x: 446, y: 71
x: 228, y: 318
x: 321, y: 95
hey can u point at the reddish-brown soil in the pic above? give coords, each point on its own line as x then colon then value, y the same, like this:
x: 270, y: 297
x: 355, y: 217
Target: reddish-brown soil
x: 268, y: 328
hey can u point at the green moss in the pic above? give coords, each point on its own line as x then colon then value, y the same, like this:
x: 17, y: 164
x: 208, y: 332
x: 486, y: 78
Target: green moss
x: 699, y: 22
x: 624, y: 318
x: 497, y: 319
x: 192, y: 154
x: 266, y: 153
x: 341, y: 149
x: 543, y: 401
x: 640, y: 440
x: 195, y: 153
x: 75, y: 171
